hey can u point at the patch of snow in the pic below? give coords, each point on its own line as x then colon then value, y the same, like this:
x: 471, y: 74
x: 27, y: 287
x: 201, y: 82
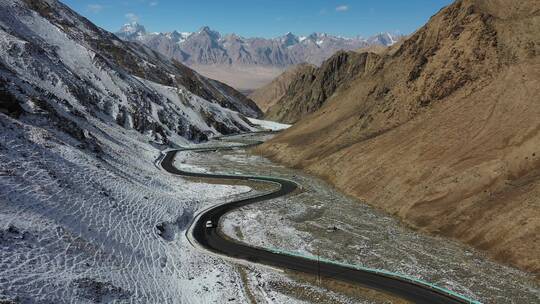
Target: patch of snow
x: 391, y: 38
x: 269, y: 125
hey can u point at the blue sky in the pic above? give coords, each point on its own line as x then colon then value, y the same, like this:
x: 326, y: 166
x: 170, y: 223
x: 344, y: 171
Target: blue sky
x: 263, y: 18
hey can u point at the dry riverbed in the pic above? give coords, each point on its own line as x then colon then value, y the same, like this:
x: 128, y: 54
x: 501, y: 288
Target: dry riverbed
x: 320, y: 220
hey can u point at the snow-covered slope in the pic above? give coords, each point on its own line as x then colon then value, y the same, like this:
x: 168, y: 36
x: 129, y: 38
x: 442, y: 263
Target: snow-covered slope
x: 132, y: 30
x: 85, y: 215
x: 58, y: 62
x: 269, y: 125
x: 80, y: 226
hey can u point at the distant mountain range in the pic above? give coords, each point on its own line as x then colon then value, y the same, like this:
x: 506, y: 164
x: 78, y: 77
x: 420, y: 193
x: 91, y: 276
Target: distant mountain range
x: 209, y: 47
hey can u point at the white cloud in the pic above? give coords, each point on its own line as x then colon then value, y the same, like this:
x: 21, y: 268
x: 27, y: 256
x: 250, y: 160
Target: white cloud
x: 132, y: 17
x: 342, y: 8
x: 153, y: 3
x: 95, y: 8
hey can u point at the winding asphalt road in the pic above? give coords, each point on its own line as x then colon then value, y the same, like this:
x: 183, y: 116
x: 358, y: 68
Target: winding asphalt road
x: 212, y: 239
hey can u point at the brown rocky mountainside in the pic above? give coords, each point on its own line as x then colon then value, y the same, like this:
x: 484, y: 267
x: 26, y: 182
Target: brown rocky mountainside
x: 271, y: 93
x: 442, y: 131
x: 313, y: 87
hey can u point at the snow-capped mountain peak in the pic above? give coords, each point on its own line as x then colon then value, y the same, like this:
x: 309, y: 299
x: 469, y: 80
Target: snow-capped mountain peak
x: 209, y: 47
x: 384, y: 39
x: 132, y: 30
x: 289, y: 39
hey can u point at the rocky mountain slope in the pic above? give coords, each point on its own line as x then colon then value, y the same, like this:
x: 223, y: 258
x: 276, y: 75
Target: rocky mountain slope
x: 271, y: 93
x: 308, y: 91
x: 442, y: 130
x: 209, y: 47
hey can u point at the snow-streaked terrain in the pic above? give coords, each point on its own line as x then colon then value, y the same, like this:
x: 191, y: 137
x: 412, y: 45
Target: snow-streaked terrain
x: 81, y: 227
x: 53, y: 60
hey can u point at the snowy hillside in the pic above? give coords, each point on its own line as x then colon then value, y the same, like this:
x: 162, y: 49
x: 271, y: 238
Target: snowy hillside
x: 85, y: 215
x: 78, y: 226
x: 58, y: 62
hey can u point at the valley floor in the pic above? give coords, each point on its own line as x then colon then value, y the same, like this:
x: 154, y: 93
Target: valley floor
x: 83, y: 227
x: 244, y: 79
x: 320, y: 220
